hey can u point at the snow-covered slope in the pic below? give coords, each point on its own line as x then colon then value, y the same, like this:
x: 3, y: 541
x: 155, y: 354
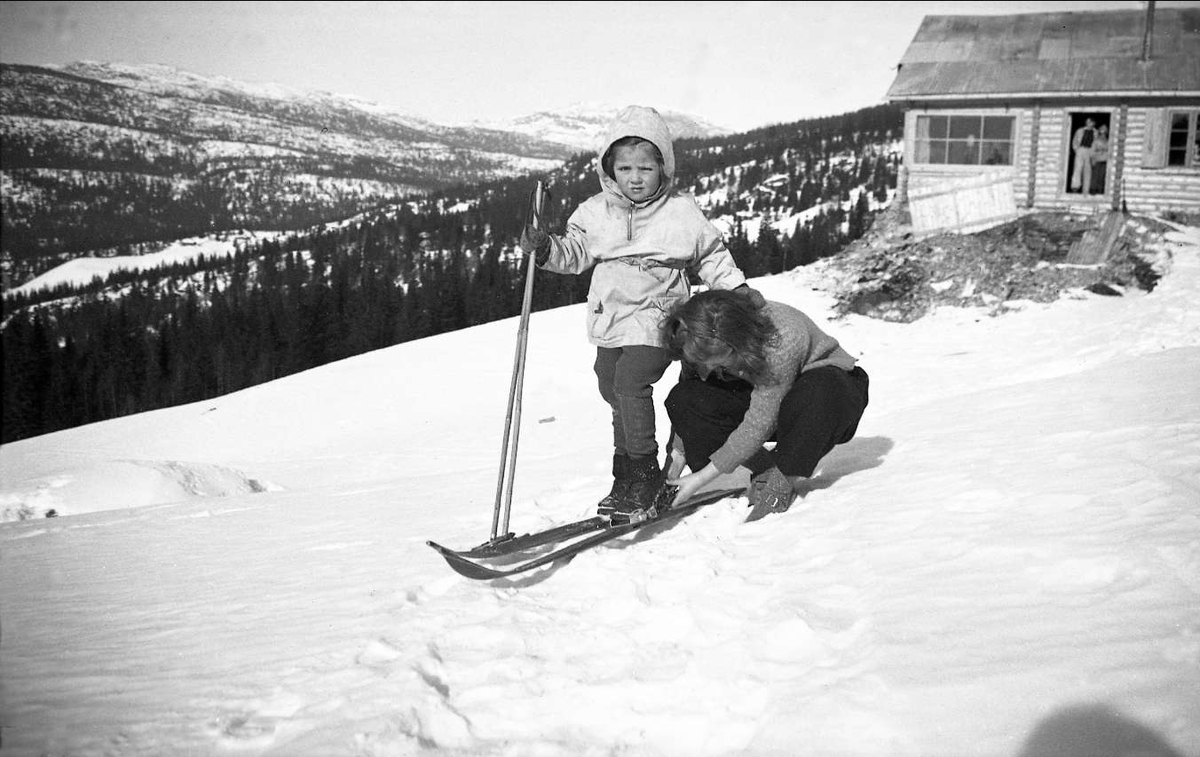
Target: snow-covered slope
x: 81, y: 271
x: 1004, y: 562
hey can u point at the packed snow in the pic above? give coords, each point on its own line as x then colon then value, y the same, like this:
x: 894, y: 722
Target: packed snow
x: 80, y: 272
x: 1004, y: 562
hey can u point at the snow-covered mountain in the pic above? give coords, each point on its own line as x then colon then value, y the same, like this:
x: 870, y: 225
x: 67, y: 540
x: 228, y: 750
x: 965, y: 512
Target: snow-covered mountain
x: 224, y: 119
x: 580, y: 125
x: 1003, y: 563
x: 333, y: 113
x: 98, y: 157
x: 166, y: 81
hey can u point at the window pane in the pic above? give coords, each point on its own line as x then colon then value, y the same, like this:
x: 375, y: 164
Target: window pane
x: 921, y: 151
x: 964, y: 140
x: 1194, y: 119
x: 962, y: 127
x: 998, y: 127
x: 1183, y: 142
x: 997, y: 153
x: 963, y: 152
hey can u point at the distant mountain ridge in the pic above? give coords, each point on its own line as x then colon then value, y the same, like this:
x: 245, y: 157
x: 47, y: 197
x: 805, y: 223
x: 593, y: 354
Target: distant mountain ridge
x: 576, y: 125
x: 110, y: 156
x: 107, y: 157
x: 580, y: 125
x: 328, y: 112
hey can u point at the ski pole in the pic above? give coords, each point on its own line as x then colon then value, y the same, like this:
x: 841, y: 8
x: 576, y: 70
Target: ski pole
x: 512, y: 420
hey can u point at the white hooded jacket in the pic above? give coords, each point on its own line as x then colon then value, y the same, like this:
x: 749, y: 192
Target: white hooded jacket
x: 642, y: 252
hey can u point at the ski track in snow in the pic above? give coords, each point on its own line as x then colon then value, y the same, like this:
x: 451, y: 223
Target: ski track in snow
x: 1013, y: 532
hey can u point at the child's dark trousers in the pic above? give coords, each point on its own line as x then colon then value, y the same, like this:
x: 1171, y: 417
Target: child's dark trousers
x: 626, y: 376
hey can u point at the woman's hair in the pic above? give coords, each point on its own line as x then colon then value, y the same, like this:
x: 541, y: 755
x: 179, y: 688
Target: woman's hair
x: 721, y: 325
x: 610, y: 155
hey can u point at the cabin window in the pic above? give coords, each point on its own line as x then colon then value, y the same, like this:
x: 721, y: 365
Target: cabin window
x: 965, y: 140
x: 1183, y: 139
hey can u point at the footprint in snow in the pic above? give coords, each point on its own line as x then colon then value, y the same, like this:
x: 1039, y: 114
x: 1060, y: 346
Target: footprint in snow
x: 255, y: 727
x: 378, y: 656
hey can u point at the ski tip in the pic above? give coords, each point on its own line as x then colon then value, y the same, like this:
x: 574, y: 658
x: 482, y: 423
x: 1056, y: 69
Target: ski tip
x: 469, y: 568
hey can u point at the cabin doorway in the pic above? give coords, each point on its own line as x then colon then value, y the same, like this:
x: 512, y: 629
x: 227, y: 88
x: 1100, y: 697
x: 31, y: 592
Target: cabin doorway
x: 1087, y: 153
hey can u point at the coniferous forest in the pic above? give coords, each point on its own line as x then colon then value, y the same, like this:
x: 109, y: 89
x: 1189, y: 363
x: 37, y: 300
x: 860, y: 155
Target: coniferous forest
x: 145, y: 340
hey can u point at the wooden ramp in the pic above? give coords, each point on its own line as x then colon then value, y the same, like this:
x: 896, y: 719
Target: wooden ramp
x: 962, y: 206
x: 1095, y: 244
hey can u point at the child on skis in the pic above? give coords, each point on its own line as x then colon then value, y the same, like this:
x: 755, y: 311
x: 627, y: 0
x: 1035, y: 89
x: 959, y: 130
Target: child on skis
x: 642, y: 237
x: 754, y: 373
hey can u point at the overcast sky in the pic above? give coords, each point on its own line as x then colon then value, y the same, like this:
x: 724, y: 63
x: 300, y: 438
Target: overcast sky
x: 736, y: 64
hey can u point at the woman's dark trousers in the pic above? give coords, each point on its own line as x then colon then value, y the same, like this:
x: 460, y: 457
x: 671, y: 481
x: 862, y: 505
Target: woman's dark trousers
x: 821, y: 410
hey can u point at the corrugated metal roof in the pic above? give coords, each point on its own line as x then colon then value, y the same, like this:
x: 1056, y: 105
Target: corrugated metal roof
x: 1047, y: 53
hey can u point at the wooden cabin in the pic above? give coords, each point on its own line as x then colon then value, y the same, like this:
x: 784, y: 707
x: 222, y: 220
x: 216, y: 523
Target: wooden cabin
x: 997, y: 109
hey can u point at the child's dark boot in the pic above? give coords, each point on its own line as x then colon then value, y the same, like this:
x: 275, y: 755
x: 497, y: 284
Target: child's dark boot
x: 620, y: 487
x: 645, y: 482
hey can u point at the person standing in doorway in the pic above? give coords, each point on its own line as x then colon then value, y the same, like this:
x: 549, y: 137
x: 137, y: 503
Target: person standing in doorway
x: 1081, y: 143
x: 1100, y: 160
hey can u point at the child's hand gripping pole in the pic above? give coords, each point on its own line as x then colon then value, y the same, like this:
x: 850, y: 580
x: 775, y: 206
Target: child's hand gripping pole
x: 534, y: 240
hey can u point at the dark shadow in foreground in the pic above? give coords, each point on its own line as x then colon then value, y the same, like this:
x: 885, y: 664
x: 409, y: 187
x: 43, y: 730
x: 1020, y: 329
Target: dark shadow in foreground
x: 1094, y: 731
x: 858, y: 454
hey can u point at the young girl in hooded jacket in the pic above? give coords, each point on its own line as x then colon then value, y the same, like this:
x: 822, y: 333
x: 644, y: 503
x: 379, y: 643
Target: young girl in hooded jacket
x: 642, y: 237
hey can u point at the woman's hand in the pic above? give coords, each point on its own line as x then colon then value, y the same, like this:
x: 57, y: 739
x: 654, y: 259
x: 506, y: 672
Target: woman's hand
x: 676, y: 462
x: 690, y: 484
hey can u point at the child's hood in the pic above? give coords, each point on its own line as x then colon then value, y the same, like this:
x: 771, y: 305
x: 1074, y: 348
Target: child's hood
x: 644, y: 122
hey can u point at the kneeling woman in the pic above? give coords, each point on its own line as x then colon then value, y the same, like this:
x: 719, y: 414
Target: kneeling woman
x: 752, y: 373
